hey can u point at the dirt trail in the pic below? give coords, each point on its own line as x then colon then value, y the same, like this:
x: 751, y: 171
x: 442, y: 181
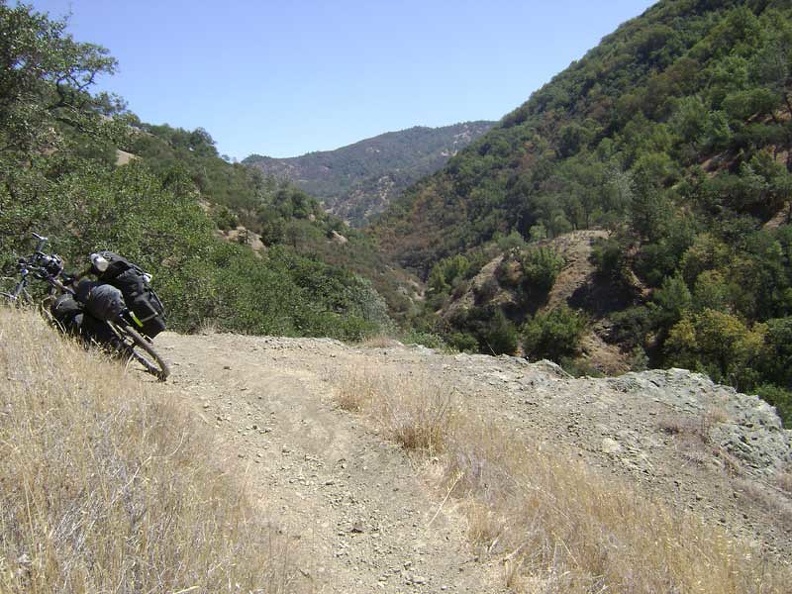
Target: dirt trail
x: 355, y: 503
x: 364, y: 514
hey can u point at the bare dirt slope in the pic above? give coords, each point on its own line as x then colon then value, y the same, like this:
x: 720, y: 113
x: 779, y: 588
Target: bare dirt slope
x: 366, y: 517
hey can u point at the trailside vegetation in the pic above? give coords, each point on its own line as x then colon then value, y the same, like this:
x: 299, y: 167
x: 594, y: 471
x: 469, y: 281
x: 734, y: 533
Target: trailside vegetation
x: 165, y: 208
x: 110, y: 487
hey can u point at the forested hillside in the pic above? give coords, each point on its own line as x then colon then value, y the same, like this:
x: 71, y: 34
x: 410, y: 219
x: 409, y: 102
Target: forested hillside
x: 165, y: 208
x: 669, y: 143
x: 358, y: 181
x: 673, y: 137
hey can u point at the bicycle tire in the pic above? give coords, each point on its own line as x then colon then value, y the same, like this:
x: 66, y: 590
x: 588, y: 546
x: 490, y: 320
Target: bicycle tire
x: 12, y: 295
x: 144, y: 353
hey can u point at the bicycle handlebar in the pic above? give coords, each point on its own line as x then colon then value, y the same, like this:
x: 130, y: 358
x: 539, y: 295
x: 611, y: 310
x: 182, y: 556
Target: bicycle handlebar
x: 47, y: 267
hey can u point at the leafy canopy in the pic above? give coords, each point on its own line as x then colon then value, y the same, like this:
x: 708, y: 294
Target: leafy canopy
x: 61, y: 178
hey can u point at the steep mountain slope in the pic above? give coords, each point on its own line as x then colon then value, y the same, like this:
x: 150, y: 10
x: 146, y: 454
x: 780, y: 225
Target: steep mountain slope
x: 684, y: 86
x: 360, y: 180
x: 672, y: 137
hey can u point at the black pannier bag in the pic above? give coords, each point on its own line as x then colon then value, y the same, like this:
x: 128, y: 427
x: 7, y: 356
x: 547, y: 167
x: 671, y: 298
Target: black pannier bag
x: 68, y: 312
x: 100, y: 299
x: 144, y: 305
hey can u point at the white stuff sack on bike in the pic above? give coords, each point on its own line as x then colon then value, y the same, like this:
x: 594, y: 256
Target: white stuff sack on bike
x: 101, y: 300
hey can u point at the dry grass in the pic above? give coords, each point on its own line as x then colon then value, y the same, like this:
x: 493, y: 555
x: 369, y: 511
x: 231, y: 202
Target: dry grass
x: 556, y: 526
x: 414, y: 414
x: 696, y: 428
x: 358, y: 392
x: 105, y: 487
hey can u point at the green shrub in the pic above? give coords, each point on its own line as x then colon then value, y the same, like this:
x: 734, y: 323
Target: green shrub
x: 608, y: 256
x: 780, y: 398
x: 554, y: 334
x: 463, y: 342
x: 631, y: 327
x: 540, y: 269
x: 489, y: 327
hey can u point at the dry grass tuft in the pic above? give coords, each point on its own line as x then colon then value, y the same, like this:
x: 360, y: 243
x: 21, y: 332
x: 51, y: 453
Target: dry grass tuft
x: 106, y: 487
x: 415, y: 414
x: 556, y: 526
x: 694, y: 428
x: 356, y: 393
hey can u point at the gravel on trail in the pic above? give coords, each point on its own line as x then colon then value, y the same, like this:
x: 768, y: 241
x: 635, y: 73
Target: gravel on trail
x: 363, y: 511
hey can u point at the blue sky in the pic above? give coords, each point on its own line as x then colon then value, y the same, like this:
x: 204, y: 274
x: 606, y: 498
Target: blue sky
x: 286, y: 77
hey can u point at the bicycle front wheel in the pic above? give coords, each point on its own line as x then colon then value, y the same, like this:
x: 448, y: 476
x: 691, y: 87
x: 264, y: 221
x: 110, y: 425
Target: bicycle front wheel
x: 144, y: 353
x: 14, y: 293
